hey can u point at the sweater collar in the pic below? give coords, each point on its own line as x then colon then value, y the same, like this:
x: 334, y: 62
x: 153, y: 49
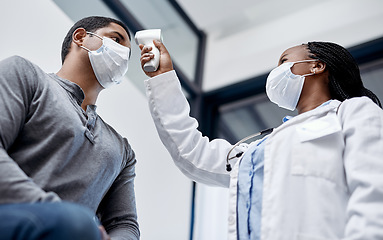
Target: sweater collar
x: 72, y: 88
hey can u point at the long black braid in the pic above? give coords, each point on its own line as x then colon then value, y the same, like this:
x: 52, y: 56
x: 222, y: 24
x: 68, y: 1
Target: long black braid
x: 344, y: 75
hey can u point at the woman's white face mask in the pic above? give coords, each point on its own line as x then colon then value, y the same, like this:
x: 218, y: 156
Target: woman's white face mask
x: 284, y: 87
x: 109, y: 62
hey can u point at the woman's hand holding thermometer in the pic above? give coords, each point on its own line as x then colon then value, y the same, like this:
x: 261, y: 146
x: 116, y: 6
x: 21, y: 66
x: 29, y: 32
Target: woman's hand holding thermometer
x: 155, y: 59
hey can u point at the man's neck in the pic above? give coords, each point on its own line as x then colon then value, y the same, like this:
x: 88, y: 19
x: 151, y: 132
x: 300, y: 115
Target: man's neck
x: 82, y: 75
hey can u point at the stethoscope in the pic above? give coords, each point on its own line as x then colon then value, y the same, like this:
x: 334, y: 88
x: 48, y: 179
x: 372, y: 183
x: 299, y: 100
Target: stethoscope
x: 238, y: 155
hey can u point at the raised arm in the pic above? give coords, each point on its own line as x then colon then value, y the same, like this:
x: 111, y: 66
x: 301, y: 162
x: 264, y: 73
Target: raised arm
x: 196, y: 156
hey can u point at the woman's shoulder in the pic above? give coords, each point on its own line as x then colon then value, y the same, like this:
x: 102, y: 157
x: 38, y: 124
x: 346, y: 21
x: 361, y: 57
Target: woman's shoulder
x: 362, y: 106
x: 357, y: 102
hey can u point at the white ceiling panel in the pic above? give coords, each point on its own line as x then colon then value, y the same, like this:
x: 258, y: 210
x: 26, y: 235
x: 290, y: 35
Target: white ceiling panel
x: 245, y: 38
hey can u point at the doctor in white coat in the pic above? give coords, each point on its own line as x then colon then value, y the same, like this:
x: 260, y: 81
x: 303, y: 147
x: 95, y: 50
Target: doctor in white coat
x: 317, y: 176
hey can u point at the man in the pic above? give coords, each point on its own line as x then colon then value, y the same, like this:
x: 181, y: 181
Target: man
x: 55, y: 149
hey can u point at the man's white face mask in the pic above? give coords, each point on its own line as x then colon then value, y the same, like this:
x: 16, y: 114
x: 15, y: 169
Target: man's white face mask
x: 109, y: 62
x: 284, y: 87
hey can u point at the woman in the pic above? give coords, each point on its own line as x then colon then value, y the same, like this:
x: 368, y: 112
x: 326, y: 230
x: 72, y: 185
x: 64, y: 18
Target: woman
x: 317, y: 176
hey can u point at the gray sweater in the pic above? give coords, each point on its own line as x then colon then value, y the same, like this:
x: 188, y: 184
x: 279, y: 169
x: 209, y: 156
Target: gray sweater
x: 53, y: 150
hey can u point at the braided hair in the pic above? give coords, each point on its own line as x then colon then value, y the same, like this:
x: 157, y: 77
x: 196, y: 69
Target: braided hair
x: 344, y: 75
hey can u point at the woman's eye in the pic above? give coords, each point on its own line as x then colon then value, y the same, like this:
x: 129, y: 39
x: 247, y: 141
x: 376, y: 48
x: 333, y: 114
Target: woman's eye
x: 283, y: 60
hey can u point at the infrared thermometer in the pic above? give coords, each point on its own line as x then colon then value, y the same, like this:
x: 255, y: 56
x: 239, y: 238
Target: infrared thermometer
x: 146, y: 38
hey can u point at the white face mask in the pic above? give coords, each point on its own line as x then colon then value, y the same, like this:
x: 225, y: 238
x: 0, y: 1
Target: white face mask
x: 109, y: 62
x: 284, y: 87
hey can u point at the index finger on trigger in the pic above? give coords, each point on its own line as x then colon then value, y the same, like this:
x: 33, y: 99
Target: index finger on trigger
x: 146, y: 49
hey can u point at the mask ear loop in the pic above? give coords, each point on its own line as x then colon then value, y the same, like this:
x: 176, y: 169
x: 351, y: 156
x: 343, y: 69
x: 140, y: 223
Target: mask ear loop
x: 85, y: 48
x: 309, y: 74
x: 309, y: 60
x: 95, y: 35
x: 90, y: 33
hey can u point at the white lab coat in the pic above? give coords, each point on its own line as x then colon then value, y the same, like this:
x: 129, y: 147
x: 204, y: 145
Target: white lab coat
x: 323, y: 170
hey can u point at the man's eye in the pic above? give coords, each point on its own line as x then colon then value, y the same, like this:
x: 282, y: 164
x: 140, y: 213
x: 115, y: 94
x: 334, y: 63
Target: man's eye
x: 117, y: 40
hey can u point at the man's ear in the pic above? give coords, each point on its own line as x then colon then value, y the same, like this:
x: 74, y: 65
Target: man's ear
x: 78, y: 36
x: 318, y: 67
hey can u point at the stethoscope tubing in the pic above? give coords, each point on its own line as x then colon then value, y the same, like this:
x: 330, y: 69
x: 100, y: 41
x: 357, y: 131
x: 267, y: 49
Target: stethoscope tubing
x: 228, y: 158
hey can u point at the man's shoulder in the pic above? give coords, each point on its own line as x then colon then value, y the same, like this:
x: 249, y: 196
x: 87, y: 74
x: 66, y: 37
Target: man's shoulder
x: 129, y: 154
x: 15, y: 61
x: 123, y: 140
x: 17, y: 64
x: 20, y: 68
x: 110, y: 129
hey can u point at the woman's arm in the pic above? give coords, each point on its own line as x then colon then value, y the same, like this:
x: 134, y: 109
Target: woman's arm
x: 196, y: 156
x: 363, y: 160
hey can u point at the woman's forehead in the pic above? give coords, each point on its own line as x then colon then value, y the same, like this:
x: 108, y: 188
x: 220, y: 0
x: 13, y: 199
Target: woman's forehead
x: 299, y: 51
x: 296, y: 50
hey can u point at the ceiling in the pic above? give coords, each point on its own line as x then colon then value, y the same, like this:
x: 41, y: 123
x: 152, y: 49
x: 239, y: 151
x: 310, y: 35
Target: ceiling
x: 222, y: 18
x: 246, y: 37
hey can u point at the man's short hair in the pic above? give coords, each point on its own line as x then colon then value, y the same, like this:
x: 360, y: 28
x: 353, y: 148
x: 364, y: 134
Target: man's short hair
x: 90, y: 24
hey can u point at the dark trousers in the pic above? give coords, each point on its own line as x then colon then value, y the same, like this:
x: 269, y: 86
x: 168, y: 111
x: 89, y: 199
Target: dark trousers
x: 43, y: 221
